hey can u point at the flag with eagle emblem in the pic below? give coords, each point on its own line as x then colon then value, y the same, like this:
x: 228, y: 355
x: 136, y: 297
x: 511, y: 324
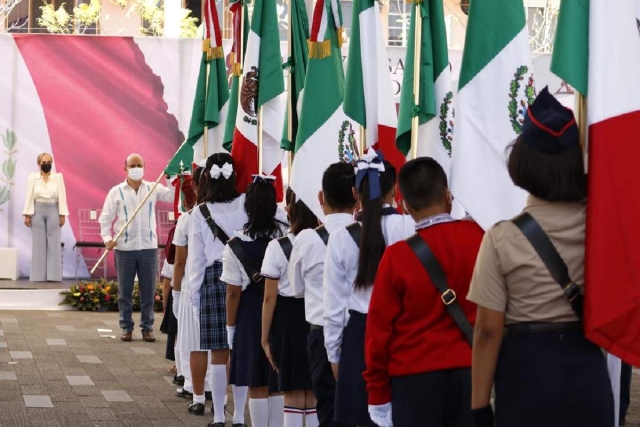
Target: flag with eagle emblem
x: 262, y: 87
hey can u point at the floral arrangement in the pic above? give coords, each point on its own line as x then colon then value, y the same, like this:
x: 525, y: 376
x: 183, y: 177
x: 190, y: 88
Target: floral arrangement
x: 102, y: 295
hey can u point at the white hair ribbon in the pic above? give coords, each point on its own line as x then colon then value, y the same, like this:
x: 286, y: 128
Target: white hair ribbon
x: 226, y: 170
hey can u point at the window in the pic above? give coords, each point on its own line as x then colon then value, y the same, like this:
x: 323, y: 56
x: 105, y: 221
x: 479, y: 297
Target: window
x: 541, y: 25
x: 399, y: 22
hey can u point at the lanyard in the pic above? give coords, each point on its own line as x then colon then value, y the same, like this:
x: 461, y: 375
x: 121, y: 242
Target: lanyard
x: 433, y: 220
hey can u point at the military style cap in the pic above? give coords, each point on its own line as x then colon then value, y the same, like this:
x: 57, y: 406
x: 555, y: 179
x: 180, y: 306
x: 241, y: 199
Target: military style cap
x: 549, y: 127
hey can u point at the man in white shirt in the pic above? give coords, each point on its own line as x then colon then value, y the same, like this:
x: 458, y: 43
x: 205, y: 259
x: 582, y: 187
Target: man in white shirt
x: 306, y: 268
x: 136, y: 251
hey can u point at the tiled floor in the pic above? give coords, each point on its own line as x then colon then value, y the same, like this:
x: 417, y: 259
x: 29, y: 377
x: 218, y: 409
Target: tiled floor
x: 69, y: 368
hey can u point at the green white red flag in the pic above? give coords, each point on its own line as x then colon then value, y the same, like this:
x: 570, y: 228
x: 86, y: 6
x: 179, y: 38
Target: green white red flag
x: 262, y: 87
x: 597, y: 51
x: 495, y: 88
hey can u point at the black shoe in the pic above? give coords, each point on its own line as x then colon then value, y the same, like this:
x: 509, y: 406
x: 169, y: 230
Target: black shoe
x: 212, y: 410
x: 181, y: 392
x: 239, y: 425
x: 178, y: 380
x: 216, y: 424
x: 207, y: 395
x: 196, y: 408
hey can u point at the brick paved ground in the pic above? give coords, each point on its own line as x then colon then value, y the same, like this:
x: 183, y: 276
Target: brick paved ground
x: 65, y: 369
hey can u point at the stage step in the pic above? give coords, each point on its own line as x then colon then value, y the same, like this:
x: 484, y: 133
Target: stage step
x: 32, y: 299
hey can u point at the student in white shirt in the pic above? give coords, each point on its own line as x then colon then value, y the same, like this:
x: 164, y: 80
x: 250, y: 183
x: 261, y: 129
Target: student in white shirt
x: 306, y: 268
x: 284, y: 328
x: 136, y: 251
x: 352, y: 259
x: 45, y: 212
x: 220, y: 214
x: 188, y: 328
x: 243, y: 258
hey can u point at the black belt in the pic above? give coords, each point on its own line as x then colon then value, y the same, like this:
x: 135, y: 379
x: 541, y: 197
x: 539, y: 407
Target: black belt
x: 533, y: 327
x: 315, y: 327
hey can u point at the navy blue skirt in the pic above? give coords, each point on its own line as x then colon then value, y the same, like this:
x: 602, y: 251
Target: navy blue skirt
x: 552, y: 379
x: 249, y: 365
x: 352, y: 400
x: 289, y: 332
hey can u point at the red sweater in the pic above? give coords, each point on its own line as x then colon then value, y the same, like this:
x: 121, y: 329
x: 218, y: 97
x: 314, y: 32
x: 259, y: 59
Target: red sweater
x: 409, y: 330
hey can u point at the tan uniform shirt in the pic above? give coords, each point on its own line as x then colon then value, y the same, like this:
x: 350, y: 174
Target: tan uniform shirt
x: 509, y: 277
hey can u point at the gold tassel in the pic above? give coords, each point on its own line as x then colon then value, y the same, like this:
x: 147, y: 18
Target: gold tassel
x: 340, y: 37
x: 215, y: 53
x: 206, y: 45
x: 236, y: 69
x: 319, y: 50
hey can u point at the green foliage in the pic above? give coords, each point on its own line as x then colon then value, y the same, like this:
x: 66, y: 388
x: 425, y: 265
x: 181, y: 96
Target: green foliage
x: 446, y: 125
x: 9, y: 141
x: 86, y: 15
x: 515, y: 113
x: 56, y: 21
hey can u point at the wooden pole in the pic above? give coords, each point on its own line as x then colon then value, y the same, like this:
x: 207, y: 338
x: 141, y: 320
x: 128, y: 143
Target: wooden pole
x: 290, y: 105
x: 581, y: 116
x: 363, y: 140
x: 205, y: 136
x: 115, y: 239
x: 417, y: 50
x: 260, y: 156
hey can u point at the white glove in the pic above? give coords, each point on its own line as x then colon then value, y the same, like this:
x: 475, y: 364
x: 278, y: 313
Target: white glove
x: 231, y: 332
x: 381, y: 414
x: 176, y: 302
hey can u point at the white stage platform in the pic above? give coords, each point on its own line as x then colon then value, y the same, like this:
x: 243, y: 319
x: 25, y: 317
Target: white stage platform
x: 25, y: 295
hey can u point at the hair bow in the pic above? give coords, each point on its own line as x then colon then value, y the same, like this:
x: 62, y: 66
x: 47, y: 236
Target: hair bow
x: 263, y: 178
x: 202, y: 163
x: 370, y: 165
x: 226, y: 170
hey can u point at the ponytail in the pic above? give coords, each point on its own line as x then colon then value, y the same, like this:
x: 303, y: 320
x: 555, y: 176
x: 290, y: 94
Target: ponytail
x: 372, y: 243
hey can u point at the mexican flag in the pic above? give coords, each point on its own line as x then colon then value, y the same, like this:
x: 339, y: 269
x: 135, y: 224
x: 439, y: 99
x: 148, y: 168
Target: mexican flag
x: 435, y: 134
x: 297, y: 66
x: 369, y: 98
x: 596, y: 52
x: 495, y: 88
x: 261, y: 88
x: 212, y: 93
x: 325, y: 134
x: 238, y: 8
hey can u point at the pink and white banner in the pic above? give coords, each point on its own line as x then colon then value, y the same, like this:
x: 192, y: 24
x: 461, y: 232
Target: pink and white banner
x: 90, y: 101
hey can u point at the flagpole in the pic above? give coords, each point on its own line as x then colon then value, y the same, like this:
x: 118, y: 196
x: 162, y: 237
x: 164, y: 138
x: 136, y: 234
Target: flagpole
x: 417, y: 50
x: 289, y: 94
x: 260, y: 156
x: 581, y: 115
x: 363, y: 140
x: 115, y: 239
x: 205, y: 137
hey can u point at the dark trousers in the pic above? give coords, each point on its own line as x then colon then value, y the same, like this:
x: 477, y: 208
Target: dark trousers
x: 144, y: 263
x: 552, y: 379
x: 625, y: 391
x: 322, y: 380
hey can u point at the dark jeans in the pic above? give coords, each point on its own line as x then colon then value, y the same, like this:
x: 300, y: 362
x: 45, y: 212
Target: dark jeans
x: 322, y: 380
x: 625, y: 391
x: 432, y: 399
x: 144, y: 263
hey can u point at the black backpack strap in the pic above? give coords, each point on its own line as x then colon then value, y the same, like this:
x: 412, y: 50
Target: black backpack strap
x: 287, y: 247
x: 552, y: 260
x: 217, y: 231
x: 323, y: 233
x: 355, y: 231
x: 247, y: 263
x: 428, y: 260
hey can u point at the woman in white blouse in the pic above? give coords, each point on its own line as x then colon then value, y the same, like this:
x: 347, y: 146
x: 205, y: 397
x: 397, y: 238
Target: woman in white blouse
x: 45, y: 212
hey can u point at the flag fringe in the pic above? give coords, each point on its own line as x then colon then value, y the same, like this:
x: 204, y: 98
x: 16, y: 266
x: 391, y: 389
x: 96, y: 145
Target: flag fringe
x: 319, y: 49
x: 215, y: 53
x: 206, y: 45
x: 236, y: 69
x: 340, y: 37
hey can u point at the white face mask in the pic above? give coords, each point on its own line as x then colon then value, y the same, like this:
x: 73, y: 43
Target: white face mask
x: 135, y: 174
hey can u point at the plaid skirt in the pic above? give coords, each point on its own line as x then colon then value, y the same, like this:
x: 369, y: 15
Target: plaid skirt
x: 213, y: 310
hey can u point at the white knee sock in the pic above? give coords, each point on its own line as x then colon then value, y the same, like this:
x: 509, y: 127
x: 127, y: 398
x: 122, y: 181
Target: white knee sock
x: 219, y: 374
x: 178, y: 362
x: 259, y: 411
x: 276, y: 411
x: 293, y: 417
x: 311, y: 417
x: 239, y: 401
